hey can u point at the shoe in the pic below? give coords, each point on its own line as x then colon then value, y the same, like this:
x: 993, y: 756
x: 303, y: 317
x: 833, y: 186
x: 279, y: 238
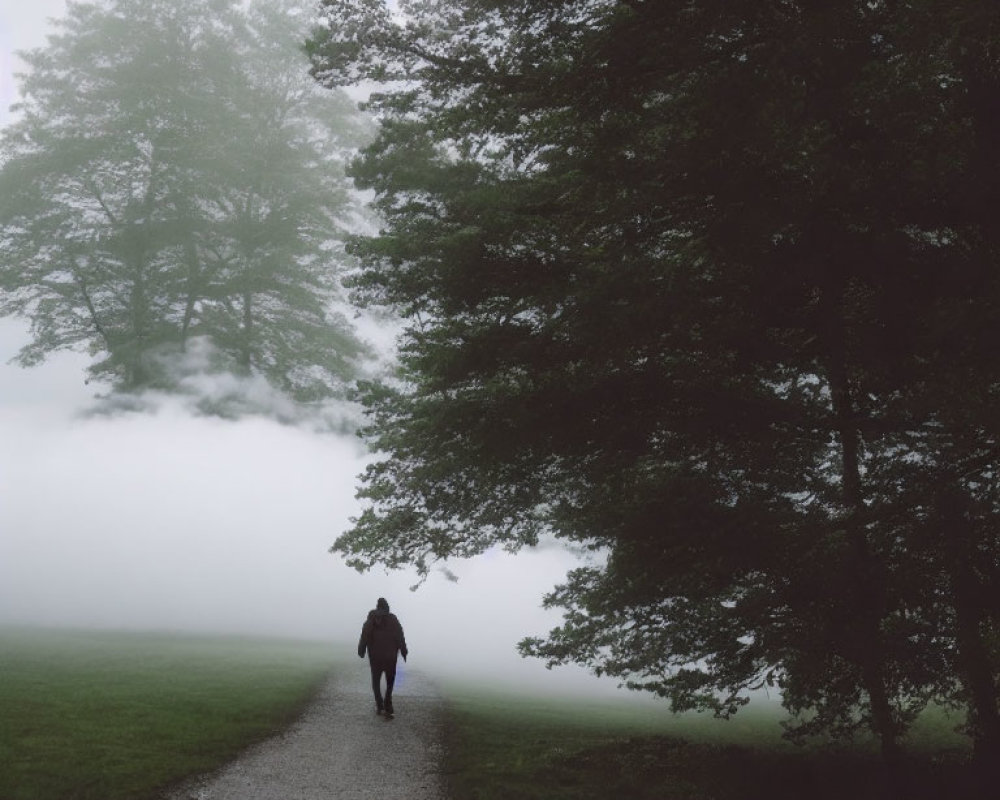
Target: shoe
x: 378, y: 712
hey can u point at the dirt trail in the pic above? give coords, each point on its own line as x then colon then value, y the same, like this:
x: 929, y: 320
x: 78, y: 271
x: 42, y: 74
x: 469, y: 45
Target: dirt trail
x: 340, y: 750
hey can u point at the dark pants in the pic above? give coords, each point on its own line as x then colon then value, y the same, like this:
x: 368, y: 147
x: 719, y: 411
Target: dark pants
x: 389, y: 668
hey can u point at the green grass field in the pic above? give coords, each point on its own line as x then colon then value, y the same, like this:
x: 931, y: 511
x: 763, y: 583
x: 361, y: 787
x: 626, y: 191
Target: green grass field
x: 110, y: 716
x: 116, y: 716
x: 513, y: 746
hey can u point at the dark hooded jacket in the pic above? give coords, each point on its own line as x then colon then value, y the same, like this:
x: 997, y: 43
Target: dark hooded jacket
x: 382, y: 637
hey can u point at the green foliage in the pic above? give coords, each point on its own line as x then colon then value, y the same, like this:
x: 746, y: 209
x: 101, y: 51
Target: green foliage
x: 702, y: 288
x: 174, y: 174
x: 110, y: 715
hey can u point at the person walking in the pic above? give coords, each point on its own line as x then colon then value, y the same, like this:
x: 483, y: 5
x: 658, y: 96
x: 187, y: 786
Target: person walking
x: 382, y: 638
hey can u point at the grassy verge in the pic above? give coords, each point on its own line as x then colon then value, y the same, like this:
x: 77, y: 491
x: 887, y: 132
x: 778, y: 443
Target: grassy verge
x: 563, y: 749
x: 114, y: 715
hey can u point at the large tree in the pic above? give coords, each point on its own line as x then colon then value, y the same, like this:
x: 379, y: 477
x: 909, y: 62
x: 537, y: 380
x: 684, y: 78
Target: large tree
x: 692, y: 284
x: 175, y: 173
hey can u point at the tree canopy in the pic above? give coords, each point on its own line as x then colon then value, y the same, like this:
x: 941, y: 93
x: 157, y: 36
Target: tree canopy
x: 706, y: 288
x: 176, y: 176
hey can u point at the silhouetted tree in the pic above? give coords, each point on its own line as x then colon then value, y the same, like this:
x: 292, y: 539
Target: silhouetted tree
x: 681, y: 280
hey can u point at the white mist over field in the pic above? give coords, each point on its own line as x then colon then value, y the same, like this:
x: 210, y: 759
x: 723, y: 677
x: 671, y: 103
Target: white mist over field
x: 163, y: 520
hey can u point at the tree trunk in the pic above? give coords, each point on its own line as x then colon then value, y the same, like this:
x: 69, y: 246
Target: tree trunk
x: 971, y: 615
x: 246, y: 344
x: 979, y: 680
x: 193, y: 286
x: 88, y: 301
x: 977, y: 65
x: 136, y: 373
x: 868, y: 599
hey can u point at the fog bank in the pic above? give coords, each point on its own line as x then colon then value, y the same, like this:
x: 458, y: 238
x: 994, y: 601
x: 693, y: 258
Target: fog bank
x: 168, y: 521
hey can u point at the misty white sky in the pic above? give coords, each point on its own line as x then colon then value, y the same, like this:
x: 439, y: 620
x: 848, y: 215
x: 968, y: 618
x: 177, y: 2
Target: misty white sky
x: 165, y: 520
x: 23, y: 26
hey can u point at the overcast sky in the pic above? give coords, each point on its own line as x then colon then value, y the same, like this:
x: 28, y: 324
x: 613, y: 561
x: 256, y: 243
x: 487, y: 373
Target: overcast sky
x: 23, y: 26
x: 166, y: 520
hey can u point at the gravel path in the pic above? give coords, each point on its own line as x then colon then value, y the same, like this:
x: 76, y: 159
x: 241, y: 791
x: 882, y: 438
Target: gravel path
x: 340, y: 750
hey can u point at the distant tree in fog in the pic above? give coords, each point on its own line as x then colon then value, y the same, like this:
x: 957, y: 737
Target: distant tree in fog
x: 702, y: 287
x: 175, y: 173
